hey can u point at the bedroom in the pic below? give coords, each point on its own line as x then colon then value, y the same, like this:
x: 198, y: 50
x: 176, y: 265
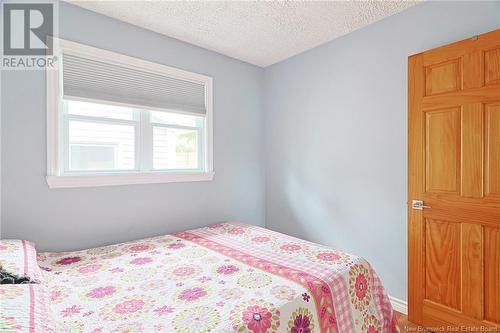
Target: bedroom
x: 291, y: 116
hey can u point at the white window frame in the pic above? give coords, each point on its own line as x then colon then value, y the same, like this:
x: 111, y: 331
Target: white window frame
x: 56, y: 178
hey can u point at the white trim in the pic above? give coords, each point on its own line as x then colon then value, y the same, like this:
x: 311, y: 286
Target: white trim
x: 209, y: 127
x: 399, y: 305
x: 126, y: 179
x: 54, y: 107
x: 55, y: 169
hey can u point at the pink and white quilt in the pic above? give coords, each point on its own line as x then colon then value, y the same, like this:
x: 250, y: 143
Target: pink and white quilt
x: 228, y: 277
x: 24, y: 308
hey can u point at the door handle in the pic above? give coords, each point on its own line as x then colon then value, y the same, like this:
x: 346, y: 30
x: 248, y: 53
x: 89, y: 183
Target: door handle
x: 419, y: 205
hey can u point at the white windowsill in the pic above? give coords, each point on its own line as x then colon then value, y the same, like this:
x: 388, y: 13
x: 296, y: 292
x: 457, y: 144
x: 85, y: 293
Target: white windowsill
x: 126, y: 179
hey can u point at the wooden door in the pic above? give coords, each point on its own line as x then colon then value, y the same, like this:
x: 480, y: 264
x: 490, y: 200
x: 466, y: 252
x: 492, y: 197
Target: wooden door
x: 454, y: 167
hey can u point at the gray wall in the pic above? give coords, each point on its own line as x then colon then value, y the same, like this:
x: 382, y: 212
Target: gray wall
x: 63, y: 219
x: 336, y: 133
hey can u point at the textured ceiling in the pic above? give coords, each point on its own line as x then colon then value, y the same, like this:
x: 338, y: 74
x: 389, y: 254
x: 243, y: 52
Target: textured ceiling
x: 258, y: 32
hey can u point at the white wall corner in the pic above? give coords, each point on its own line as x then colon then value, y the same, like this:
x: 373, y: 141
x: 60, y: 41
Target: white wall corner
x: 399, y: 305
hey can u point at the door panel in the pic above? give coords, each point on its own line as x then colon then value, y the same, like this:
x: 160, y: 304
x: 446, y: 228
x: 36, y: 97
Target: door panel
x: 443, y: 77
x: 493, y: 149
x: 472, y: 150
x: 492, y: 66
x: 492, y: 272
x: 442, y: 255
x: 454, y: 167
x: 442, y: 143
x: 472, y: 270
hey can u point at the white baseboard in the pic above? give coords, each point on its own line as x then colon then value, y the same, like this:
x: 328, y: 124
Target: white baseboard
x: 399, y: 305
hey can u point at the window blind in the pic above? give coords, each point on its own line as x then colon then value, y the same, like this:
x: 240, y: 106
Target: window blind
x: 88, y: 78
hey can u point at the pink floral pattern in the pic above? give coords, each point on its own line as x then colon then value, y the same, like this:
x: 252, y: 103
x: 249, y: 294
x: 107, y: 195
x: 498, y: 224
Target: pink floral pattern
x: 329, y: 257
x: 164, y: 310
x: 182, y: 272
x: 192, y: 294
x: 371, y: 325
x: 301, y: 321
x: 261, y: 239
x: 128, y: 307
x: 227, y: 269
x: 91, y: 268
x: 290, y: 247
x: 257, y: 316
x: 141, y: 261
x: 176, y: 246
x: 360, y: 286
x: 68, y: 261
x: 222, y: 278
x: 58, y: 294
x: 101, y: 292
x: 236, y: 231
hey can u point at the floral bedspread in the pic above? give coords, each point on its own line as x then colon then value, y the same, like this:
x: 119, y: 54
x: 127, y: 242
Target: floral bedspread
x: 24, y: 308
x: 228, y: 277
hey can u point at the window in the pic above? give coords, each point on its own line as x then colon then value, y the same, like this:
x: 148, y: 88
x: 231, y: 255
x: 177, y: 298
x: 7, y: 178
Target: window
x: 105, y: 138
x: 114, y: 120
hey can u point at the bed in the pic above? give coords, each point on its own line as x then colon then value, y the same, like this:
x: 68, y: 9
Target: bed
x: 228, y: 277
